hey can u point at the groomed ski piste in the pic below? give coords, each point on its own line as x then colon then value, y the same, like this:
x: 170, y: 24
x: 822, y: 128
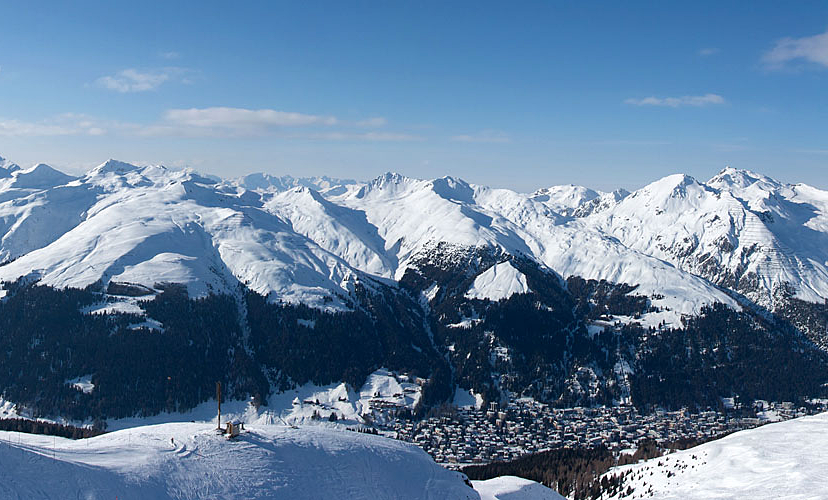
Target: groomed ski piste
x: 192, y: 461
x: 785, y: 460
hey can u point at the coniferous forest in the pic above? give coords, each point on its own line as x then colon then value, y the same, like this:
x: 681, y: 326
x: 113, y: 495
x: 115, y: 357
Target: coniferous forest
x: 532, y: 344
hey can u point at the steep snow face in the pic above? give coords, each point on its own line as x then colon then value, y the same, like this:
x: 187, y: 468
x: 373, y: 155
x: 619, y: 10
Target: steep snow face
x: 782, y: 460
x: 342, y: 231
x: 33, y: 219
x: 498, y: 282
x: 411, y: 216
x: 189, y: 461
x: 7, y: 167
x: 741, y: 230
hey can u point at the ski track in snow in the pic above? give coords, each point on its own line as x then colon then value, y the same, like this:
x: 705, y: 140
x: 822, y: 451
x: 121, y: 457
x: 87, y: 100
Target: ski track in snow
x: 264, y: 462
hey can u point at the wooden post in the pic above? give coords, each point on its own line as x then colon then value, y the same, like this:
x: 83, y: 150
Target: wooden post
x: 218, y: 398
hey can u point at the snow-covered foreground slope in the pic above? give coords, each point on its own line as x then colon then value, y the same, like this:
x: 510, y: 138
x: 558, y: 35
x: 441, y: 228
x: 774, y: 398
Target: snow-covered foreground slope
x: 513, y: 488
x: 783, y: 460
x: 190, y: 461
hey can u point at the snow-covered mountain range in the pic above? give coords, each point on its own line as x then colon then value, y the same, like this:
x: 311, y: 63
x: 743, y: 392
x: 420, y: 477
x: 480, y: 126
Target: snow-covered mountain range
x: 305, y: 240
x: 453, y: 284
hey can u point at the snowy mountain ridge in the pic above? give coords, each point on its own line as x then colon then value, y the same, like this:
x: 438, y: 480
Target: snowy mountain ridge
x: 302, y: 240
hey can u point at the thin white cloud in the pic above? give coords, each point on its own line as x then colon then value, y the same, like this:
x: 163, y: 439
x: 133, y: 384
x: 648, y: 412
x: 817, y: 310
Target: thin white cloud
x: 676, y: 102
x: 367, y: 136
x: 709, y: 51
x: 222, y: 121
x: 376, y: 121
x: 170, y: 55
x: 811, y: 49
x: 486, y: 136
x: 632, y: 142
x: 812, y: 151
x: 731, y: 148
x: 65, y: 124
x: 217, y: 122
x: 133, y: 80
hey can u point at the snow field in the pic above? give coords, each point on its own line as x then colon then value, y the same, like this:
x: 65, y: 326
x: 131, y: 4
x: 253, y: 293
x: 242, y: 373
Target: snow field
x: 785, y: 460
x: 191, y: 461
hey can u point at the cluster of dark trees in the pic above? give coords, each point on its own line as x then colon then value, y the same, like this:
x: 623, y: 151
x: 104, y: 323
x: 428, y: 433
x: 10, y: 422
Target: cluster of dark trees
x: 48, y: 428
x: 47, y: 340
x: 572, y: 472
x: 808, y: 317
x: 579, y: 473
x: 600, y: 298
x: 721, y: 353
x: 300, y: 344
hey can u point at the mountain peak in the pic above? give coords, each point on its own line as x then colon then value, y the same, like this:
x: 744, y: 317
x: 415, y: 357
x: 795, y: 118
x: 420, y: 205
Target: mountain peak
x: 389, y: 178
x: 669, y: 186
x: 453, y: 189
x: 7, y: 167
x: 741, y: 178
x: 115, y: 167
x: 40, y: 176
x: 386, y: 180
x: 565, y: 195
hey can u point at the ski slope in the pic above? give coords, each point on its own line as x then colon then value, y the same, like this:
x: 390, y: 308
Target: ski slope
x: 190, y: 461
x: 785, y: 460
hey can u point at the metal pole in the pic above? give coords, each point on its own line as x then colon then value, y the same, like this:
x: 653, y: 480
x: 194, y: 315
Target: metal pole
x: 218, y: 398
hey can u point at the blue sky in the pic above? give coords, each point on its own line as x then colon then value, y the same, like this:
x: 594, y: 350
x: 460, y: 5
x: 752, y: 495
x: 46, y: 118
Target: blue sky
x: 511, y: 94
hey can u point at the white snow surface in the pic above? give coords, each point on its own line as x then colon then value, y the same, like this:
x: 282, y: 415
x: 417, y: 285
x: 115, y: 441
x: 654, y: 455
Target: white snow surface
x: 467, y: 399
x: 83, y: 384
x: 190, y: 461
x: 309, y: 240
x: 513, y: 488
x: 498, y: 282
x: 785, y: 460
